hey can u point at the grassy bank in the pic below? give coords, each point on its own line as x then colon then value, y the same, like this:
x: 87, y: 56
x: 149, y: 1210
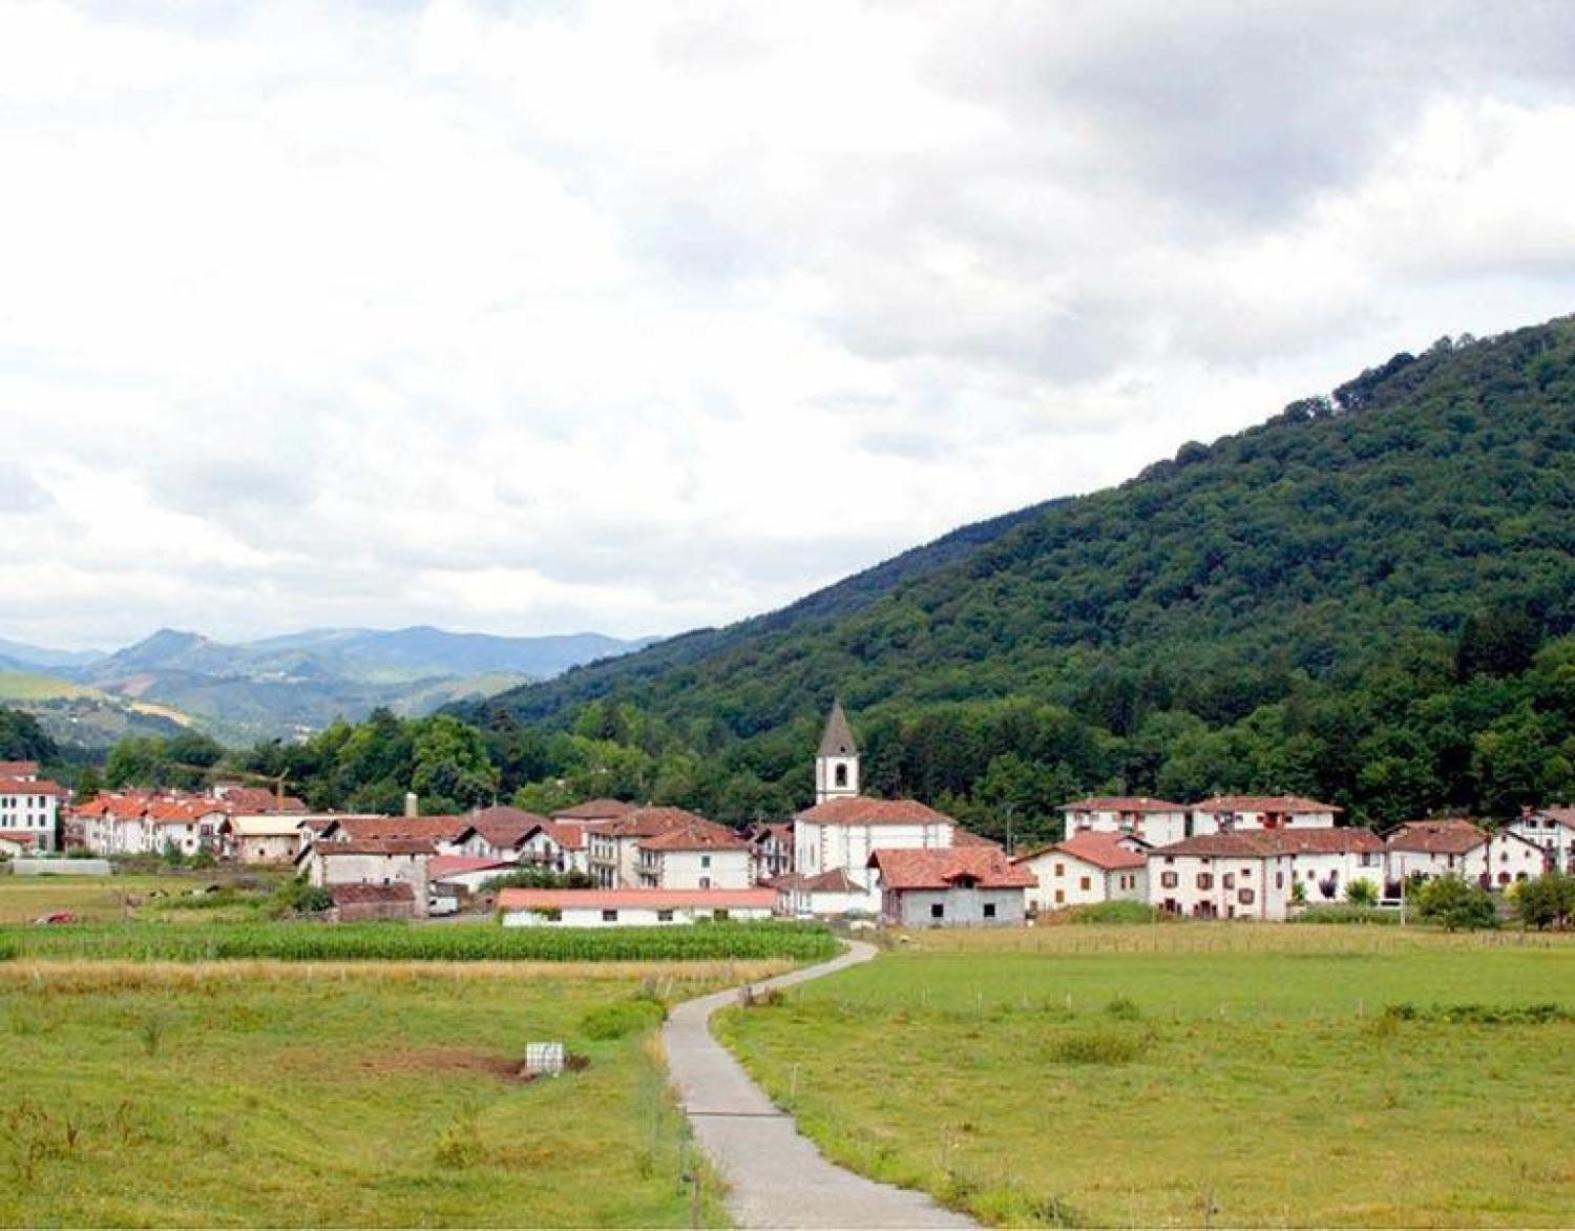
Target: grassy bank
x: 1183, y: 1075
x: 303, y: 1096
x: 359, y: 942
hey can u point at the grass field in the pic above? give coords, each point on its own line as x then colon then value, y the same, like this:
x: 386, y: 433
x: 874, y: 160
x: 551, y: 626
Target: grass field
x: 1194, y: 1073
x: 257, y: 1094
x: 101, y: 898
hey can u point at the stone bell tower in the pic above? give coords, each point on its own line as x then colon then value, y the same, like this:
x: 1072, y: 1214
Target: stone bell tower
x: 837, y: 762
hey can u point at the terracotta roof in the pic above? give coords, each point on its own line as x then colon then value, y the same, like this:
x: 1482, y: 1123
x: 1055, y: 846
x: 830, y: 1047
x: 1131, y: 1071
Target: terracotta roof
x: 861, y: 810
x: 18, y: 837
x: 1454, y: 836
x: 18, y: 769
x: 1267, y: 843
x: 1564, y: 816
x: 650, y: 899
x: 505, y: 826
x: 29, y: 786
x: 375, y: 846
x: 944, y: 867
x: 1263, y: 803
x: 1104, y: 850
x: 425, y: 828
x: 967, y: 837
x: 649, y: 821
x: 703, y: 837
x: 1121, y: 803
x: 440, y: 866
x: 399, y: 891
x: 257, y: 800
x: 835, y: 881
x: 837, y: 741
x: 567, y: 834
x: 595, y: 810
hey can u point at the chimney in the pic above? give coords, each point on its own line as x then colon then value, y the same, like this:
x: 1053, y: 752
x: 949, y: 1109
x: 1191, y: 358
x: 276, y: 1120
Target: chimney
x: 411, y: 804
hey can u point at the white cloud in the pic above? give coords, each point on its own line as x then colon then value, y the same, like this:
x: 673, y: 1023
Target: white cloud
x: 634, y: 317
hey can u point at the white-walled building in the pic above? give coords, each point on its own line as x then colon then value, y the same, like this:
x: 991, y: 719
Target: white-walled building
x: 829, y: 895
x: 610, y: 908
x: 614, y: 859
x: 1553, y: 829
x: 1456, y: 847
x: 771, y: 846
x: 1252, y: 874
x: 384, y: 861
x: 703, y: 856
x: 447, y: 835
x: 29, y: 805
x: 967, y: 886
x: 1327, y: 861
x: 1156, y: 821
x: 1226, y: 813
x: 841, y: 835
x: 1091, y: 866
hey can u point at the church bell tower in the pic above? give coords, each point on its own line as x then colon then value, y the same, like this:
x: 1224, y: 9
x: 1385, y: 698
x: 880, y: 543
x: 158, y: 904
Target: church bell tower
x: 837, y: 762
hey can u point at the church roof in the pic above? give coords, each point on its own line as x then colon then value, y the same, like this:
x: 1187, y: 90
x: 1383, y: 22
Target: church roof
x: 838, y: 739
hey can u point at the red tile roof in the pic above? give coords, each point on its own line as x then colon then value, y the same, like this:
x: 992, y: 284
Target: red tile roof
x: 19, y: 837
x: 18, y: 769
x: 967, y: 837
x: 1268, y: 843
x: 440, y: 866
x: 29, y: 786
x: 595, y: 810
x: 375, y: 846
x: 426, y: 828
x: 1454, y: 836
x: 505, y: 826
x: 650, y: 821
x: 1263, y: 803
x: 944, y: 867
x: 567, y: 834
x: 1122, y: 803
x: 257, y: 801
x: 1104, y: 850
x: 703, y: 837
x: 862, y: 810
x: 649, y: 899
x: 399, y: 891
x: 1564, y: 816
x: 835, y: 881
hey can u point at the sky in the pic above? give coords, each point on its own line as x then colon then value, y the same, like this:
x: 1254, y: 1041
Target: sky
x: 636, y: 317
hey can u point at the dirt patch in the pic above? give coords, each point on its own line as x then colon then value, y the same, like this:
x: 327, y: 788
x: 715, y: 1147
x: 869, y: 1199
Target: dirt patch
x: 440, y: 1060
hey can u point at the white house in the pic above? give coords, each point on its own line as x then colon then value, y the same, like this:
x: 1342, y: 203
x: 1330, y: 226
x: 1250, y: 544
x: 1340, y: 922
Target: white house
x: 1456, y: 847
x: 1090, y: 866
x: 691, y: 856
x: 29, y: 805
x: 1326, y: 862
x: 827, y: 895
x: 503, y: 831
x: 1220, y: 876
x: 772, y: 847
x: 447, y: 835
x: 1156, y: 821
x: 1224, y: 813
x: 614, y: 846
x: 266, y: 838
x: 1553, y: 829
x: 841, y: 835
x: 600, y: 908
x: 185, y: 825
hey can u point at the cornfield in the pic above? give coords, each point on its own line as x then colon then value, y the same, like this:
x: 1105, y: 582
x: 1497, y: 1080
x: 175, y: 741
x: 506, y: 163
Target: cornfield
x: 372, y: 942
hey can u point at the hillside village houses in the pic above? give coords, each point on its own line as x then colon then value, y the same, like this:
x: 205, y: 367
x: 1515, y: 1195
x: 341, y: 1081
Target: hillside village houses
x: 846, y: 855
x: 29, y: 806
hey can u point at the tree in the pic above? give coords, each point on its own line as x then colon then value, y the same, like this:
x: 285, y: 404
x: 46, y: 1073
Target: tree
x: 1499, y: 641
x: 1449, y: 900
x: 1362, y: 892
x: 1548, y: 901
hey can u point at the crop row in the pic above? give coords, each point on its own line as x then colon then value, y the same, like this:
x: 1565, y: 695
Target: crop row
x: 316, y: 942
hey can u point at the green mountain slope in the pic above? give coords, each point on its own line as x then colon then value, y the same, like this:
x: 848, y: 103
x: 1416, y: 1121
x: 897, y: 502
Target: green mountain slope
x: 1391, y: 536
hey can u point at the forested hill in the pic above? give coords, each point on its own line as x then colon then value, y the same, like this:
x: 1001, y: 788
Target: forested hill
x: 1349, y: 558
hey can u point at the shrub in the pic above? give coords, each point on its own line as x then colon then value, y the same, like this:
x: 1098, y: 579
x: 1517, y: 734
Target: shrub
x: 1548, y: 901
x: 1114, y: 912
x: 1095, y: 1047
x: 1346, y: 914
x: 1124, y: 1009
x: 300, y: 897
x: 623, y: 1017
x: 1362, y: 893
x: 1455, y: 904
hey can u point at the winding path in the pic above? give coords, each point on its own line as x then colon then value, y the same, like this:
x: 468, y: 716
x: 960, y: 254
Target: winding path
x: 776, y: 1175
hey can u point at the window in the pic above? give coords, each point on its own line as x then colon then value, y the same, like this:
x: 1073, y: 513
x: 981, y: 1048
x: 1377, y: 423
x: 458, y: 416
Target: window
x: 1169, y: 880
x: 1230, y: 880
x: 1083, y: 883
x: 1060, y: 897
x: 989, y: 910
x: 705, y: 882
x: 1246, y: 873
x: 1245, y: 896
x: 937, y: 910
x: 609, y: 916
x: 1205, y: 880
x: 664, y: 916
x: 842, y: 775
x: 1279, y: 880
x: 705, y: 861
x: 1060, y: 869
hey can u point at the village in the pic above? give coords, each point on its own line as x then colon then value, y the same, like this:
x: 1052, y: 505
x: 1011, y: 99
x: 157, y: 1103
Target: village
x: 850, y: 857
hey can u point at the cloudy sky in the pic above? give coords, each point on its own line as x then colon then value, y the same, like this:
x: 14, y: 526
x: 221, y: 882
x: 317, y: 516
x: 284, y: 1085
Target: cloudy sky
x: 539, y: 317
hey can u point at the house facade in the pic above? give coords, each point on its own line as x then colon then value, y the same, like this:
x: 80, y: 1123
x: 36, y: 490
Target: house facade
x: 1156, y: 821
x: 1089, y: 867
x: 29, y: 805
x: 1457, y: 847
x: 1553, y: 829
x: 384, y: 861
x: 1225, y: 813
x: 604, y: 908
x: 705, y: 856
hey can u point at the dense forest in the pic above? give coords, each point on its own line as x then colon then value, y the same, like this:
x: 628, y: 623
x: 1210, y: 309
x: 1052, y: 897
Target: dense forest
x: 1367, y: 598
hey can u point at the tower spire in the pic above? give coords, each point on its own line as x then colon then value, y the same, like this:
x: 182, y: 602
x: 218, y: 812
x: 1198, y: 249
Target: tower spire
x: 837, y: 762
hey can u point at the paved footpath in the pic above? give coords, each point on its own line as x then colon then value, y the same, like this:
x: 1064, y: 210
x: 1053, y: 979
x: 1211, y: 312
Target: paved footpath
x: 777, y: 1177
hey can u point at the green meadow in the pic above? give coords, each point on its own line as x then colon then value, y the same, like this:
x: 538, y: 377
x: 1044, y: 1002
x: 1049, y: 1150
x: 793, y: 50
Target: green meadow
x: 263, y: 1094
x: 1193, y: 1074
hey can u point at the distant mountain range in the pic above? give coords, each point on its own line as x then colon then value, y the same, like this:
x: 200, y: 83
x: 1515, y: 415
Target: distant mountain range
x: 282, y: 685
